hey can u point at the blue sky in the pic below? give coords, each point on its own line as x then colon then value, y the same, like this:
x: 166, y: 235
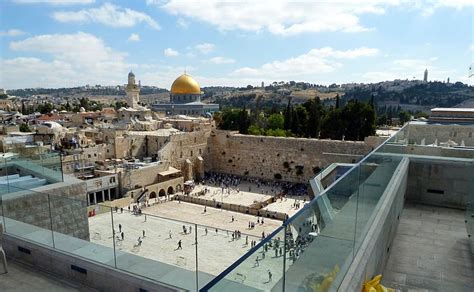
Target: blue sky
x: 61, y: 43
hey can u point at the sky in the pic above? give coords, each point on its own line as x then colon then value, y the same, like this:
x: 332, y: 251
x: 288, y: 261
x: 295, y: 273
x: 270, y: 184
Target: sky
x: 64, y: 43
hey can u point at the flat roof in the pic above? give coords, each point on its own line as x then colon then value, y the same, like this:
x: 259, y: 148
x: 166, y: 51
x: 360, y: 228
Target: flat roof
x: 453, y: 109
x: 171, y: 170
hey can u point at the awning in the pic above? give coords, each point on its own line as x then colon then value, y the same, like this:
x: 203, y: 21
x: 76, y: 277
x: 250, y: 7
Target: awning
x: 171, y: 170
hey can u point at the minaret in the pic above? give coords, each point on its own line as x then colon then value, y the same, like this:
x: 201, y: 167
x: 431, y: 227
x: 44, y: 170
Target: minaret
x: 425, y: 76
x: 132, y: 91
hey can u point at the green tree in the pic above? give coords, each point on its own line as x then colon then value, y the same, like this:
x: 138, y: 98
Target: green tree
x: 315, y: 112
x: 276, y: 121
x: 255, y: 130
x: 25, y: 128
x: 243, y: 121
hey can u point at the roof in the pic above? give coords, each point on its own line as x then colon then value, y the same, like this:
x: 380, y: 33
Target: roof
x: 453, y: 109
x: 171, y: 170
x: 185, y: 84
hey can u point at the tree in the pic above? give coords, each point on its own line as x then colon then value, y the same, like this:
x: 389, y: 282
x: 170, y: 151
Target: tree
x: 25, y: 128
x: 276, y: 121
x: 287, y: 123
x: 315, y: 112
x: 243, y: 121
x: 404, y: 117
x: 338, y: 101
x: 255, y: 130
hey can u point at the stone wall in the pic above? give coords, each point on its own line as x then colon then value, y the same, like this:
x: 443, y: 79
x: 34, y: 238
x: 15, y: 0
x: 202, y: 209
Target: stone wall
x: 442, y: 133
x: 60, y: 206
x: 288, y: 159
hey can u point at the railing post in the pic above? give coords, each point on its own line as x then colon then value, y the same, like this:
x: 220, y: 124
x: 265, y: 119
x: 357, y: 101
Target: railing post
x: 113, y: 236
x: 51, y: 219
x: 196, y: 245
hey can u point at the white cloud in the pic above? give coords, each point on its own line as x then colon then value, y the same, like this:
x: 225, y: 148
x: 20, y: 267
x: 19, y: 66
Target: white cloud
x: 278, y: 16
x: 316, y: 61
x: 134, y: 37
x: 72, y: 60
x: 286, y: 17
x: 221, y: 60
x: 107, y: 14
x: 471, y: 47
x: 169, y: 52
x: 11, y: 32
x: 55, y: 2
x: 181, y: 22
x: 205, y: 48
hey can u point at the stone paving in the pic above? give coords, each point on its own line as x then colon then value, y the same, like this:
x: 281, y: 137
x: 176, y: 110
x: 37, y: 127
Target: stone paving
x: 216, y: 250
x: 430, y: 251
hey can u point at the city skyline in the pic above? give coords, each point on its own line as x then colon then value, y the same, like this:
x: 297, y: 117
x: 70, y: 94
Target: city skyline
x: 63, y: 43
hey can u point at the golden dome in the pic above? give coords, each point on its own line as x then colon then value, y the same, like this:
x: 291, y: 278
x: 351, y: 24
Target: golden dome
x: 185, y: 84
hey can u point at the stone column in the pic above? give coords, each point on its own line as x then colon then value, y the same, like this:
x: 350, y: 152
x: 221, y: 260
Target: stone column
x: 103, y: 195
x: 95, y: 198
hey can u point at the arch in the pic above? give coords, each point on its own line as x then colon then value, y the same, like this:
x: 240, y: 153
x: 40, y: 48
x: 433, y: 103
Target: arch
x: 152, y: 195
x: 162, y: 193
x: 178, y: 188
x: 170, y: 190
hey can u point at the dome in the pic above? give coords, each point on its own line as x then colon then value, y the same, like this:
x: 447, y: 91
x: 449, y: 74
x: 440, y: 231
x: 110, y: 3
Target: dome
x: 130, y: 74
x: 185, y: 84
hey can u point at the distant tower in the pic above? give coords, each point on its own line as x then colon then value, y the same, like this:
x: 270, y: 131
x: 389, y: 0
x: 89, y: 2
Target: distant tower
x: 263, y: 84
x: 132, y: 91
x: 448, y: 80
x: 425, y: 76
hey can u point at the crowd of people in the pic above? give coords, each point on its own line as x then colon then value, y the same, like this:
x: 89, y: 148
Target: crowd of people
x: 228, y: 182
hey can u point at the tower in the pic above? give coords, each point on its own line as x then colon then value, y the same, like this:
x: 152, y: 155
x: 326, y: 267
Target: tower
x: 425, y: 76
x: 132, y: 91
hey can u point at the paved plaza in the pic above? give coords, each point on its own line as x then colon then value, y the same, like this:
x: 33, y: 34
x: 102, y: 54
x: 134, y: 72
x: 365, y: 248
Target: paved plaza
x: 216, y: 250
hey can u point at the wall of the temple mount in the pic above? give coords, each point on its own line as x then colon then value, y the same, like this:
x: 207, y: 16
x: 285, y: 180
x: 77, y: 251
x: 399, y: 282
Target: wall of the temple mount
x: 288, y: 159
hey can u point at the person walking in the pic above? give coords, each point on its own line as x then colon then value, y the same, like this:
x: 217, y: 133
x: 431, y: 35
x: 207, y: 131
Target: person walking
x: 179, y: 245
x: 122, y: 235
x: 120, y: 227
x: 170, y: 234
x: 143, y: 232
x: 205, y: 230
x: 269, y: 276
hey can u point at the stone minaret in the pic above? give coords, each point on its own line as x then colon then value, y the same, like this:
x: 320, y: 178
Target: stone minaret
x: 133, y: 91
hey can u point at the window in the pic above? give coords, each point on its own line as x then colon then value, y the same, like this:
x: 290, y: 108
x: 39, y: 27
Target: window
x: 181, y: 155
x: 191, y: 153
x: 200, y: 151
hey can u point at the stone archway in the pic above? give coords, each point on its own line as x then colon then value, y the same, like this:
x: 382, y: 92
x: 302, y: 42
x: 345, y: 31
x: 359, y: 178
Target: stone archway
x: 162, y: 193
x: 170, y: 190
x: 152, y: 195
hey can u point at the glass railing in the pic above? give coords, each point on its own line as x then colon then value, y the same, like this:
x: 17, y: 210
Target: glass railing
x: 316, y: 246
x: 180, y: 254
x: 470, y: 212
x: 29, y: 170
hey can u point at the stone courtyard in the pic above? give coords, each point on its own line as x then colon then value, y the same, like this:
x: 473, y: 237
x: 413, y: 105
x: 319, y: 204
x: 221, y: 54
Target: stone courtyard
x: 216, y: 249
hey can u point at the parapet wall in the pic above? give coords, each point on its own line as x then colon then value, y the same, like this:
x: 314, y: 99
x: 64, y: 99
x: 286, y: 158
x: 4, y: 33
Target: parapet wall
x: 288, y: 159
x: 60, y: 207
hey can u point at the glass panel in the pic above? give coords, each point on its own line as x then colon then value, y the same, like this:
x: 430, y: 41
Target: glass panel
x: 375, y: 173
x: 28, y: 215
x: 220, y: 248
x: 156, y: 248
x: 320, y: 245
x: 259, y: 270
x: 100, y: 234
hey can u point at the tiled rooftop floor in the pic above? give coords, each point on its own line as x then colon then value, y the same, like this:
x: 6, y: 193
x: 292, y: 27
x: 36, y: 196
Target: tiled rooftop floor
x: 430, y: 251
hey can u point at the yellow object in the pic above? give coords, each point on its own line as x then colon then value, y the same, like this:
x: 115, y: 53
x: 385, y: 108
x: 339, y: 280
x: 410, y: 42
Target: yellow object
x: 185, y: 84
x: 375, y: 286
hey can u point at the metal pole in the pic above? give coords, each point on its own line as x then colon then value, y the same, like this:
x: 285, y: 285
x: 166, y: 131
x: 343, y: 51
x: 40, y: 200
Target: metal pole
x: 113, y: 236
x: 51, y: 218
x: 284, y: 261
x: 196, y: 244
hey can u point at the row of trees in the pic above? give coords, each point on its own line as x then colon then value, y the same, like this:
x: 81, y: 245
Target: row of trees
x: 354, y: 121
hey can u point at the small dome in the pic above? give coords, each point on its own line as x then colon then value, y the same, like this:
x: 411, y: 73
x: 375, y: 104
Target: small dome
x: 130, y: 74
x: 185, y: 84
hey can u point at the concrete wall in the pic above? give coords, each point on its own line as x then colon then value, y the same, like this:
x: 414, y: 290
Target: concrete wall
x: 98, y: 276
x: 442, y: 183
x: 294, y: 159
